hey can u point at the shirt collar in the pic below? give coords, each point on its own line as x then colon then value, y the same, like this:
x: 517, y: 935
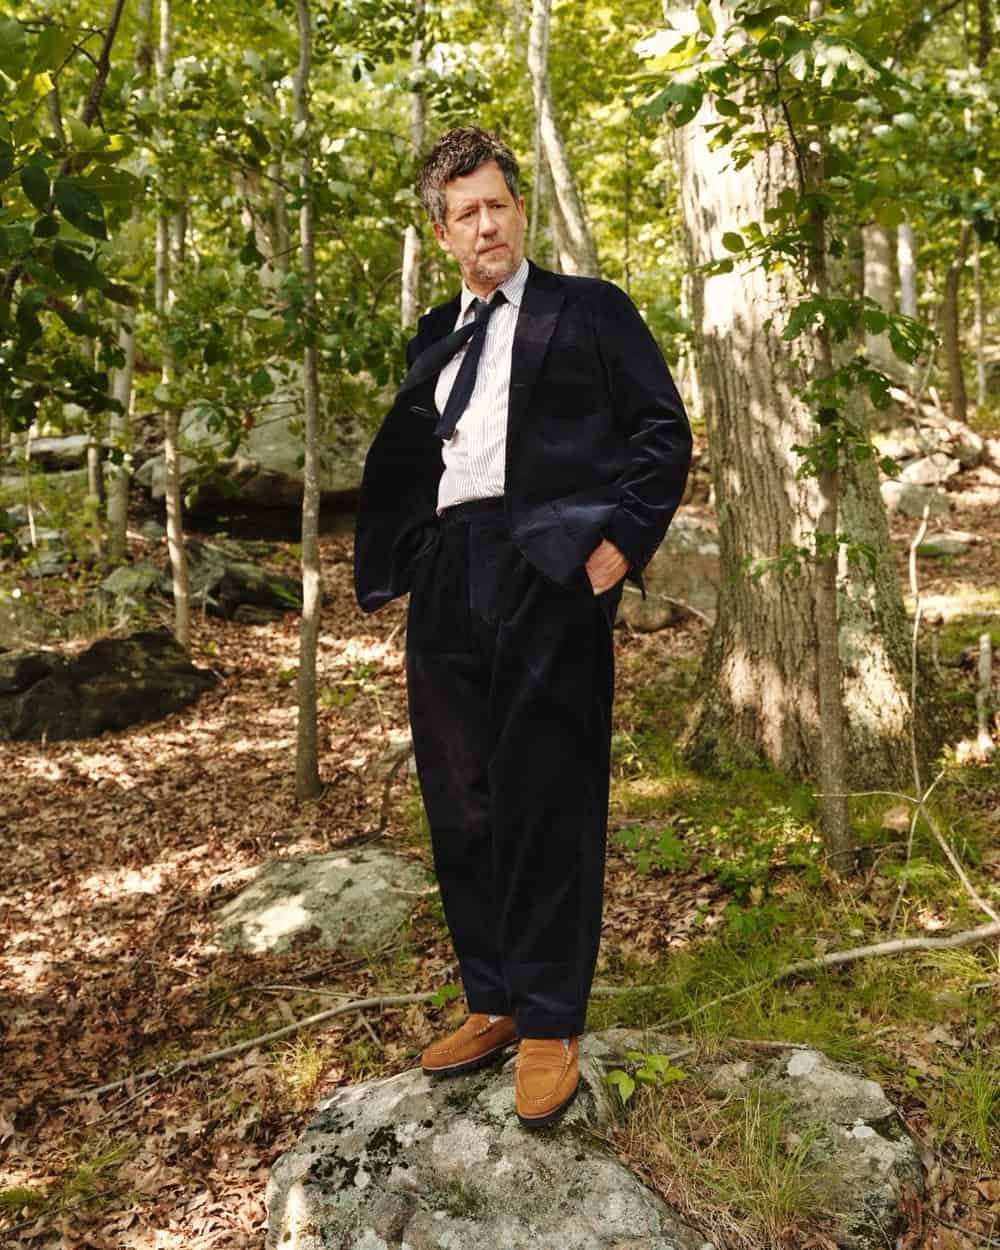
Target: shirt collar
x: 513, y: 289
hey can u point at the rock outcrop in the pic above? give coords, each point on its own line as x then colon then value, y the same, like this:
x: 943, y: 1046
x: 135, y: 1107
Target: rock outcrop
x: 349, y: 899
x: 115, y: 683
x: 408, y: 1163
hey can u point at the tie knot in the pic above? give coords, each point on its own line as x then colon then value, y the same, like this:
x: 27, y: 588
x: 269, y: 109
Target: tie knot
x: 482, y: 307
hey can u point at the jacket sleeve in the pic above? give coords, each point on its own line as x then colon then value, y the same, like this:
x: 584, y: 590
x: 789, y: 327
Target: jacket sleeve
x: 396, y: 507
x: 649, y: 409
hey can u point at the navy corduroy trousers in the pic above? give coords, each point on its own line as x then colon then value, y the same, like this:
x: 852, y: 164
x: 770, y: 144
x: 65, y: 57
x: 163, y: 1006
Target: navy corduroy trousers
x: 510, y: 681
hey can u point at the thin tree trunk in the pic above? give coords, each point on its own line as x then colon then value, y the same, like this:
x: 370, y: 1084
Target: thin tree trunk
x: 580, y: 253
x: 171, y: 416
x: 950, y: 326
x: 409, y: 300
x: 832, y: 756
x: 307, y: 782
x: 121, y: 379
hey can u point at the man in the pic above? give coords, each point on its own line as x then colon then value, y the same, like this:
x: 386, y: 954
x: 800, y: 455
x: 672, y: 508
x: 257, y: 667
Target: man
x: 533, y: 458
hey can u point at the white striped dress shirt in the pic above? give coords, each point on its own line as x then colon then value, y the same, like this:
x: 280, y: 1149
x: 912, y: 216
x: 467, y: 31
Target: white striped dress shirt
x: 474, y: 455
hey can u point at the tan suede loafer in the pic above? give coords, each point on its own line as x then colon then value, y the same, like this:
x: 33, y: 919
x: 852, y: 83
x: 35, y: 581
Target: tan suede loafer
x: 546, y: 1078
x: 473, y: 1046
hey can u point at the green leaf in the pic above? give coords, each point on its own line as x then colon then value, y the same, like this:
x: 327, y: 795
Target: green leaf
x: 77, y: 269
x: 120, y: 294
x: 12, y: 47
x: 46, y: 227
x: 35, y: 184
x: 705, y: 19
x: 51, y: 47
x: 733, y: 242
x: 622, y: 1082
x: 261, y: 383
x: 81, y: 207
x: 78, y: 322
x: 445, y: 994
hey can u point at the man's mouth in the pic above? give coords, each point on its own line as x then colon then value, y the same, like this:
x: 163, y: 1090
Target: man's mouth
x: 495, y: 248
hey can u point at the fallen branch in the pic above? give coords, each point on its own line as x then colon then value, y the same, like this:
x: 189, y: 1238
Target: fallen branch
x: 398, y: 1000
x: 968, y: 937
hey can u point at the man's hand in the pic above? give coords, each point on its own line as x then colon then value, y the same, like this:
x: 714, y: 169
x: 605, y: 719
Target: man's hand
x: 605, y: 566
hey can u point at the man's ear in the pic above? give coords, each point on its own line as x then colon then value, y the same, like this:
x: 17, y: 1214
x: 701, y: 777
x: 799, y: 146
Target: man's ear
x: 441, y: 236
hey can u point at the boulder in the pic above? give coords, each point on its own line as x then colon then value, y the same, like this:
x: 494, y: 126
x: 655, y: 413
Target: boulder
x: 22, y: 624
x: 348, y: 899
x: 910, y: 500
x: 930, y: 470
x: 115, y: 683
x: 947, y: 543
x: 132, y: 582
x: 221, y: 579
x: 406, y: 1161
x: 684, y: 569
x: 68, y: 452
x: 50, y: 556
x: 266, y: 467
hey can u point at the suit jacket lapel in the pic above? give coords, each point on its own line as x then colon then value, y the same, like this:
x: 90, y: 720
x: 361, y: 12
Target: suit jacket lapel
x: 541, y: 304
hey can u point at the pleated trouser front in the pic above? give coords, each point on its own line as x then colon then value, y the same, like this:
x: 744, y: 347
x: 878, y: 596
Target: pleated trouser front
x: 510, y: 681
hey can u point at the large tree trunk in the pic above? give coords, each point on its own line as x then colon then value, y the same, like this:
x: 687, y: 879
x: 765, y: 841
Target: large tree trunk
x: 409, y: 301
x: 759, y: 690
x: 578, y: 254
x: 307, y: 782
x: 880, y: 285
x: 166, y: 226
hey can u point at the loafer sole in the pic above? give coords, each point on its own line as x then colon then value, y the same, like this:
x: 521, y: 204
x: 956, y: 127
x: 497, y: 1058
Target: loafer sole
x: 471, y: 1065
x: 540, y: 1121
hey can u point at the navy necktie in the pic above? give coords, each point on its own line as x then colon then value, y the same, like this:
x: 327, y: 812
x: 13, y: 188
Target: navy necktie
x: 465, y: 380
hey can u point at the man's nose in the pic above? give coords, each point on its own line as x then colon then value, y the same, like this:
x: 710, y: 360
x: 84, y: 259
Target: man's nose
x: 487, y: 222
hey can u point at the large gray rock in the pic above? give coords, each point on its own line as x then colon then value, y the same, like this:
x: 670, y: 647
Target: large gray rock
x: 266, y: 468
x: 931, y: 470
x: 413, y: 1164
x: 408, y: 1162
x: 909, y: 499
x: 222, y: 580
x: 115, y: 683
x: 22, y: 624
x: 68, y: 452
x: 684, y: 570
x: 947, y: 543
x: 348, y: 899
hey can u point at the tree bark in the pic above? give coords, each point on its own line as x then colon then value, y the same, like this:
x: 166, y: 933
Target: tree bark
x: 759, y: 689
x: 579, y: 254
x: 121, y: 379
x: 171, y: 416
x: 307, y: 782
x: 951, y: 334
x: 409, y: 298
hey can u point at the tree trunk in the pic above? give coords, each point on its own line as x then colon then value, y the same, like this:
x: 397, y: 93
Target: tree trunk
x: 580, y: 253
x: 171, y: 416
x: 907, y: 265
x: 759, y: 688
x: 409, y: 299
x: 121, y: 379
x: 879, y: 285
x: 118, y: 431
x: 307, y: 782
x: 951, y: 334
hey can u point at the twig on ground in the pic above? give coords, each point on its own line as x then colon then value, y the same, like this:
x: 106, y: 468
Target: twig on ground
x: 371, y: 1032
x: 968, y: 937
x: 397, y: 1000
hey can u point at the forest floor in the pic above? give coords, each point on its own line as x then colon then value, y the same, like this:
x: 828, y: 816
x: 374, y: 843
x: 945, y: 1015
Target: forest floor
x: 121, y: 850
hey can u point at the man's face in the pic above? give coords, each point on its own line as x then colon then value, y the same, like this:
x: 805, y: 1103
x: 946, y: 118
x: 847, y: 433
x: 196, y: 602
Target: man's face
x: 483, y: 228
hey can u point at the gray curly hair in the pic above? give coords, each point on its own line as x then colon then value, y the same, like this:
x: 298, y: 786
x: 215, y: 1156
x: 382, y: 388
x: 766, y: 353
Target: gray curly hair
x: 457, y: 153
